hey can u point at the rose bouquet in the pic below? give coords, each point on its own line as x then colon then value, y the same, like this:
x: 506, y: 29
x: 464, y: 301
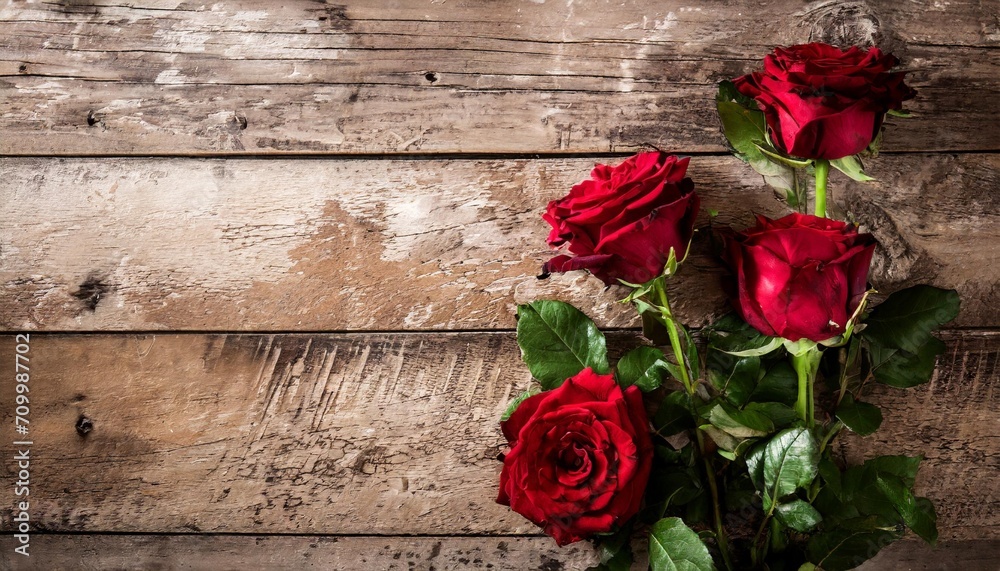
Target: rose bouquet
x: 718, y: 444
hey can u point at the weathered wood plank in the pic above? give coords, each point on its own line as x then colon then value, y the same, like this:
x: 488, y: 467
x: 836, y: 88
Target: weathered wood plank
x: 370, y: 433
x: 255, y: 78
x: 398, y: 244
x: 265, y: 553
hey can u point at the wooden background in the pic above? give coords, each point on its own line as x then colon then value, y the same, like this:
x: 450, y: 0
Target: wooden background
x: 269, y: 255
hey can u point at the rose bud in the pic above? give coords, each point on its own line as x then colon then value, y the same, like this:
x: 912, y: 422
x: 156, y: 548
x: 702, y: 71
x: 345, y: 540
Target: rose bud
x: 800, y: 276
x: 579, y: 458
x: 824, y: 103
x: 622, y: 223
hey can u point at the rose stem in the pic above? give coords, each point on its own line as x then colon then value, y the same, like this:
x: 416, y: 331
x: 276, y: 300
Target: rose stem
x: 675, y: 344
x: 806, y: 365
x: 675, y: 340
x: 822, y: 172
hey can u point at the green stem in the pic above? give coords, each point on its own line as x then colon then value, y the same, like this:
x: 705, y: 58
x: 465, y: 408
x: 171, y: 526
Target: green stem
x: 675, y: 343
x: 720, y: 533
x: 806, y: 365
x: 756, y: 555
x: 822, y: 172
x: 675, y: 340
x: 829, y: 435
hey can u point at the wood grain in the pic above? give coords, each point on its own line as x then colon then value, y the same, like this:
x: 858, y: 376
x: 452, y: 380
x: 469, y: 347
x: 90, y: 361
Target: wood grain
x: 293, y: 245
x: 258, y: 78
x: 392, y: 553
x: 372, y: 433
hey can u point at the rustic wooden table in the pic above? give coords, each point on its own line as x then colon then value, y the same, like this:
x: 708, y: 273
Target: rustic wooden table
x: 269, y: 253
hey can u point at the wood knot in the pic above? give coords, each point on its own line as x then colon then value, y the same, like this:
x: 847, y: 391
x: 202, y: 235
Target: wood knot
x: 845, y: 24
x: 84, y: 425
x: 91, y: 291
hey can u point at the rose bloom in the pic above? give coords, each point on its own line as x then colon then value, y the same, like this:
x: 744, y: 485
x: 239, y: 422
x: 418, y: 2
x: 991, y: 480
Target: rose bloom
x: 800, y: 276
x: 824, y: 103
x: 622, y: 222
x: 579, y: 458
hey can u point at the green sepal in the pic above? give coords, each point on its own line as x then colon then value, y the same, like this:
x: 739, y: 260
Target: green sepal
x: 516, y: 403
x: 774, y: 154
x: 730, y: 334
x: 852, y: 167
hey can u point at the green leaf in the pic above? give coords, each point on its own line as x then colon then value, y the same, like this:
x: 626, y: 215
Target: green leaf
x: 903, y: 467
x: 924, y: 522
x: 906, y: 318
x: 742, y: 122
x: 558, y: 341
x: 516, y: 403
x: 620, y: 561
x: 674, y: 414
x: 732, y: 335
x: 861, y: 417
x: 899, y: 113
x: 831, y: 476
x: 799, y: 515
x: 745, y: 128
x: 779, y: 414
x: 740, y: 423
x: 615, y: 551
x: 779, y: 385
x: 725, y: 441
x: 791, y: 461
x: 674, y: 485
x: 643, y: 367
x: 734, y: 377
x: 852, y: 167
x: 755, y: 468
x: 843, y: 549
x: 674, y: 546
x: 902, y: 369
x: 920, y: 517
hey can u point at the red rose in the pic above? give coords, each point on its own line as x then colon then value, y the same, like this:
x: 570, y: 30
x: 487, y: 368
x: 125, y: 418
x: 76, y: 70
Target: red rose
x: 824, y: 103
x: 579, y: 457
x: 799, y: 276
x: 622, y: 222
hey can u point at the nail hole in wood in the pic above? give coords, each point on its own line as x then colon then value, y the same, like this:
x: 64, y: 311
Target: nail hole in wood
x: 23, y: 68
x: 91, y: 120
x: 84, y: 425
x: 431, y: 76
